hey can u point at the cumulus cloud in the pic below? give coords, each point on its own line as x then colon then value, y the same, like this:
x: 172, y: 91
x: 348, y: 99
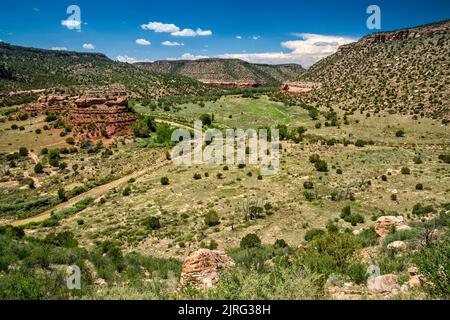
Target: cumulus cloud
x: 256, y: 37
x: 306, y: 51
x: 189, y: 56
x: 88, y: 46
x: 143, y: 42
x: 174, y: 30
x: 71, y: 24
x: 239, y: 37
x: 160, y: 27
x: 172, y: 44
x: 59, y: 48
x: 128, y: 59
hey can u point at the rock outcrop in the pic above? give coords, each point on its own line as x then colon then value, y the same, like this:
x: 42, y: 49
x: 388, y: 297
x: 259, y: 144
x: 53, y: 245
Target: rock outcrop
x: 298, y: 86
x: 201, y: 269
x: 386, y: 284
x: 385, y: 224
x: 99, y: 113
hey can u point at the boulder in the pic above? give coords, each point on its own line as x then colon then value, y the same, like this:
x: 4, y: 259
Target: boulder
x: 397, y: 245
x: 201, y: 269
x: 386, y: 284
x: 384, y: 224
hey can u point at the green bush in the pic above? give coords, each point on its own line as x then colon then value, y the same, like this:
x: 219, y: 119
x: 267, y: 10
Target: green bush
x: 358, y: 273
x: 165, y: 181
x: 23, y: 152
x: 422, y: 210
x: 251, y: 240
x: 400, y: 133
x: 314, y: 233
x: 38, y: 168
x: 402, y: 236
x: 321, y: 166
x: 308, y: 185
x: 212, y: 218
x: 406, y: 171
x: 434, y: 264
x: 127, y: 191
x: 152, y: 223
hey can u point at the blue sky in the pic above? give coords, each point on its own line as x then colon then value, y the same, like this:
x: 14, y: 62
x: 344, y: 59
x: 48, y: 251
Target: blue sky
x: 258, y: 31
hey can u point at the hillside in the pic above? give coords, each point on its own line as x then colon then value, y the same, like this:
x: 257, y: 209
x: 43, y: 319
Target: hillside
x: 403, y: 71
x: 28, y: 68
x: 226, y: 70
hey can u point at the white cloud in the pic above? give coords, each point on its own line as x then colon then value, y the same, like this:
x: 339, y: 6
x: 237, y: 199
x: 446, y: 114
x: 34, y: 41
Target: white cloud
x: 256, y: 37
x: 160, y: 27
x: 143, y: 42
x: 36, y: 9
x: 239, y: 37
x: 171, y: 44
x: 189, y: 56
x: 306, y: 51
x: 59, y: 48
x: 88, y: 46
x: 128, y: 59
x: 71, y: 24
x: 174, y: 30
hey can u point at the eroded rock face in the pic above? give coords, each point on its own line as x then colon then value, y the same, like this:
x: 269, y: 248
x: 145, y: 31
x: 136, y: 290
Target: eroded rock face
x: 298, y: 86
x: 386, y: 284
x: 97, y: 114
x: 384, y: 225
x: 201, y: 269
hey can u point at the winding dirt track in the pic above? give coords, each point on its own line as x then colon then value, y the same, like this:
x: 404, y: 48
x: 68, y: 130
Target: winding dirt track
x: 94, y: 193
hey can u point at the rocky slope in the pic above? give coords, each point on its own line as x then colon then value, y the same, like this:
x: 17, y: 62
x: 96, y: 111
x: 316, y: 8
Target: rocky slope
x: 24, y: 68
x: 405, y: 71
x: 226, y: 71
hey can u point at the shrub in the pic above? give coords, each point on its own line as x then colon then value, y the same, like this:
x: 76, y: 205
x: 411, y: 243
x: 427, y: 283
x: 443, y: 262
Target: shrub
x: 367, y: 238
x: 63, y: 239
x: 418, y: 160
x: 62, y: 195
x: 421, y: 210
x: 339, y: 171
x: 434, y: 263
x: 406, y: 171
x: 197, y: 176
x: 400, y: 133
x: 445, y: 158
x: 165, y: 181
x: 358, y: 273
x: 212, y: 219
x: 206, y: 119
x: 384, y: 178
x: 419, y: 186
x: 38, y: 168
x: 23, y: 152
x: 251, y: 240
x: 70, y: 141
x: 314, y: 233
x: 360, y: 143
x: 308, y: 185
x: 280, y: 243
x: 144, y: 127
x: 402, y: 236
x: 127, y: 191
x: 313, y: 113
x: 152, y: 223
x: 38, y: 131
x: 321, y: 166
x: 314, y: 158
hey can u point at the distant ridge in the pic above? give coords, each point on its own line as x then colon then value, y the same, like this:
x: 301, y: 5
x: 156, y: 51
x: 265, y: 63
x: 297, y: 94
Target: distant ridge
x: 405, y: 70
x: 226, y: 70
x: 23, y: 68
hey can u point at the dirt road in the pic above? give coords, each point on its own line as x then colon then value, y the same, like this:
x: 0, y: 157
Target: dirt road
x: 94, y: 193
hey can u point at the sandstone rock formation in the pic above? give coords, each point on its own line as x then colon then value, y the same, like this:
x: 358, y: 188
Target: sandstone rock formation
x: 201, y: 269
x: 99, y: 113
x: 397, y: 245
x: 384, y: 225
x: 235, y: 84
x: 298, y: 86
x: 385, y: 284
